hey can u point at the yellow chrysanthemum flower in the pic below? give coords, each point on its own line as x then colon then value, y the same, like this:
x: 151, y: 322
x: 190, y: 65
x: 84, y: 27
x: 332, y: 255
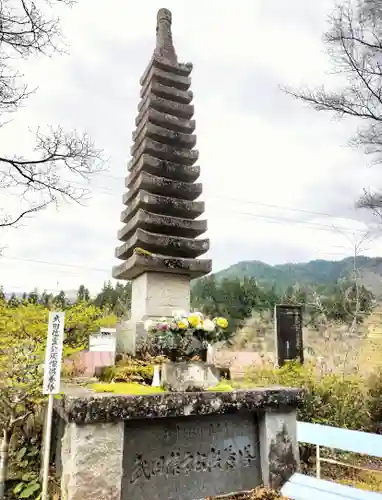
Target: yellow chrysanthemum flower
x: 221, y: 322
x: 194, y: 320
x: 182, y: 324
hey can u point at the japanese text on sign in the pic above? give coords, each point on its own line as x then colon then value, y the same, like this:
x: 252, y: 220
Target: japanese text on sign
x: 53, y: 354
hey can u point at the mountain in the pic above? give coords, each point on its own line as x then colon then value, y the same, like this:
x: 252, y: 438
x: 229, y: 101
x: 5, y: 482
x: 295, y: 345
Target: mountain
x: 313, y: 272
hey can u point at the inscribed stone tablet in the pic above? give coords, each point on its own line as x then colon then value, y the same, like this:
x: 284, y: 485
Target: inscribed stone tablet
x: 288, y: 330
x: 191, y: 457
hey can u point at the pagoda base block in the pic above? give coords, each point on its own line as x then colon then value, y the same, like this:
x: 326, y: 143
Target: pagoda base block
x: 140, y: 263
x: 157, y: 295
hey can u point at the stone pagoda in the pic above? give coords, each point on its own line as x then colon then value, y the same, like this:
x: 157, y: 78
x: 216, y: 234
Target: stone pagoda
x: 160, y: 247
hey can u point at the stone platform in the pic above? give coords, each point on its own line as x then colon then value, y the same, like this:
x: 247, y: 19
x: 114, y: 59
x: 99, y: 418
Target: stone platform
x: 174, y: 446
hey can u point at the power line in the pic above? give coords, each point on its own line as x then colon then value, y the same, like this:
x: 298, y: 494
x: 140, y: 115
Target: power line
x: 274, y: 219
x: 108, y: 190
x: 270, y: 218
x: 97, y: 269
x: 81, y: 267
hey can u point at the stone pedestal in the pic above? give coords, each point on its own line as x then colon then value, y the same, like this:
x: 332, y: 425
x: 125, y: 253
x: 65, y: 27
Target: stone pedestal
x: 174, y: 446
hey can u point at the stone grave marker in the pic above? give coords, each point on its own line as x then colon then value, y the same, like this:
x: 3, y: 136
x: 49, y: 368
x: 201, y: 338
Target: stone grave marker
x: 288, y: 333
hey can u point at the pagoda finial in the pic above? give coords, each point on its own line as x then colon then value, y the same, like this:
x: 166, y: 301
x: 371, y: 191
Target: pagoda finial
x: 165, y: 47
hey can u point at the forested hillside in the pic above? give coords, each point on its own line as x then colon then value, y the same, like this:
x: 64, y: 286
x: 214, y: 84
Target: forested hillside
x: 318, y: 272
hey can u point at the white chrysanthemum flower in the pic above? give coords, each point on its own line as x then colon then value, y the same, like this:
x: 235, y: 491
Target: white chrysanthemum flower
x: 208, y: 325
x: 148, y: 325
x: 179, y: 315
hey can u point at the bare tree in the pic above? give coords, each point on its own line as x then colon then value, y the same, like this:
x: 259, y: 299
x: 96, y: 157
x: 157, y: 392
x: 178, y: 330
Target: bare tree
x: 354, y: 42
x: 27, y: 28
x: 341, y: 338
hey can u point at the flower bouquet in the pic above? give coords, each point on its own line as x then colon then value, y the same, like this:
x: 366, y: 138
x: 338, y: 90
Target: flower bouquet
x: 185, y: 336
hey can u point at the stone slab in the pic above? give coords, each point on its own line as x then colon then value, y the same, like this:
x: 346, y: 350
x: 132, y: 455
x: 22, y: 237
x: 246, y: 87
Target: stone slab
x: 143, y: 263
x: 190, y: 458
x: 84, y: 406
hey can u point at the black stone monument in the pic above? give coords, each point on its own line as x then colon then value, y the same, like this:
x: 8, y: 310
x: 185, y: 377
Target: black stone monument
x: 288, y: 333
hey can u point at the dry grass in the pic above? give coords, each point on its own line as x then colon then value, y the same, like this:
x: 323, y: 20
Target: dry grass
x: 330, y: 346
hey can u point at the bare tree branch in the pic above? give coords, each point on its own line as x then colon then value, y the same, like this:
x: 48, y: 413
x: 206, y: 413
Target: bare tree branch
x: 49, y: 175
x: 354, y: 43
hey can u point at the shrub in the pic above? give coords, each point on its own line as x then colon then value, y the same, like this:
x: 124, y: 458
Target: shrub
x: 129, y: 370
x: 375, y: 388
x: 336, y: 400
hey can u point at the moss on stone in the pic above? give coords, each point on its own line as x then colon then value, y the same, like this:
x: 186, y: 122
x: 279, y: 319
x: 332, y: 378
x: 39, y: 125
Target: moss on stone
x: 142, y: 251
x: 221, y: 387
x: 126, y: 388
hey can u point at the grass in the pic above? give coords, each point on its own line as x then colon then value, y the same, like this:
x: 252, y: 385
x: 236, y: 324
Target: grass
x: 126, y: 388
x: 222, y: 386
x: 138, y: 389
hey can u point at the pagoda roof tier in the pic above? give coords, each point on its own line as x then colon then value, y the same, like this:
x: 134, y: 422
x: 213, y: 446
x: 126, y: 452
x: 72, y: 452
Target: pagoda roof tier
x: 163, y: 168
x: 166, y: 152
x: 140, y: 263
x: 163, y: 135
x: 167, y: 121
x: 161, y: 185
x: 174, y: 246
x: 164, y: 64
x: 162, y: 224
x: 166, y: 78
x: 163, y: 205
x: 166, y: 106
x: 167, y: 91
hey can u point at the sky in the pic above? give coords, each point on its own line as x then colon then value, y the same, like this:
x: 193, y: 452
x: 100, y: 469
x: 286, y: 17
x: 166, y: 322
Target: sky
x: 279, y: 179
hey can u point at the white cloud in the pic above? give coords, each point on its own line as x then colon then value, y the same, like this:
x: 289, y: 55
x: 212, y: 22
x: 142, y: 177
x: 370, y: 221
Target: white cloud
x: 260, y: 151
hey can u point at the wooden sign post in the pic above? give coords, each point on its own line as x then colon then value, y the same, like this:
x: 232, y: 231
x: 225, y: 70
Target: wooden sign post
x: 51, y: 386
